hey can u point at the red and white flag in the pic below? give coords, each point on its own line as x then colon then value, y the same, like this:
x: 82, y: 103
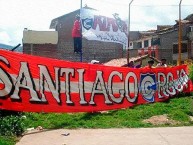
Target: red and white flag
x: 37, y: 84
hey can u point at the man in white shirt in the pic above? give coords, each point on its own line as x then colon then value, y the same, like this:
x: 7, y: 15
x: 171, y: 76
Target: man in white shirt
x: 162, y: 63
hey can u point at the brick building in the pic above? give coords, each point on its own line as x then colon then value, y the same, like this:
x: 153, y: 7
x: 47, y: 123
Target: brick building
x: 102, y: 51
x: 62, y: 47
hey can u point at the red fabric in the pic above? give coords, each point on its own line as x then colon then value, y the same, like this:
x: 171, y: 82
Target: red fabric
x: 76, y: 30
x: 37, y: 84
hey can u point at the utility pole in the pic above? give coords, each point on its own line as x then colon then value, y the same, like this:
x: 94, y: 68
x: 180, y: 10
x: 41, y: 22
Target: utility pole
x: 128, y: 55
x: 179, y: 36
x: 81, y: 29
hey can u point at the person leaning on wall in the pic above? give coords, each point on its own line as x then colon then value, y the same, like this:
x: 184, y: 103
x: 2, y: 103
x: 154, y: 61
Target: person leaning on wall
x: 77, y: 35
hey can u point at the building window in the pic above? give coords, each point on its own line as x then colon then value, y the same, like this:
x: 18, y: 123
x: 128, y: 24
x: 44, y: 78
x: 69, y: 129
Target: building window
x: 183, y: 50
x: 191, y: 29
x: 146, y: 43
x: 155, y: 41
x: 139, y: 44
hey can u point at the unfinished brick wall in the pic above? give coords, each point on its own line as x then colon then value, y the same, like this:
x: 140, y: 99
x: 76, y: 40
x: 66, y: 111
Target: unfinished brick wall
x: 45, y: 50
x: 102, y: 51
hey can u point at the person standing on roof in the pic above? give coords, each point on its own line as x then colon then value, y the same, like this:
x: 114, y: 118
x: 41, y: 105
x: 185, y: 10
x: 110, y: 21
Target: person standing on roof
x: 77, y: 35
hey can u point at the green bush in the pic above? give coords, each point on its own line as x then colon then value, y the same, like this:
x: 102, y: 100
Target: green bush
x: 11, y: 123
x: 191, y: 72
x: 7, y: 140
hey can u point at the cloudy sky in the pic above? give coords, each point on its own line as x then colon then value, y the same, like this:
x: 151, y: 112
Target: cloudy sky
x: 37, y: 14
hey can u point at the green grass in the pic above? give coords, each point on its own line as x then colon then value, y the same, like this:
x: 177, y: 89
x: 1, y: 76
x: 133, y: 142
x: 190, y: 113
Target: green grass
x: 4, y: 140
x: 178, y: 109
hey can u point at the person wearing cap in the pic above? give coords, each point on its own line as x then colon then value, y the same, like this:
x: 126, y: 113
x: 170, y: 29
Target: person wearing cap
x: 150, y: 64
x: 77, y: 35
x: 162, y: 63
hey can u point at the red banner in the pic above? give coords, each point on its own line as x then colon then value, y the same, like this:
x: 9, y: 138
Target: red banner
x: 37, y: 84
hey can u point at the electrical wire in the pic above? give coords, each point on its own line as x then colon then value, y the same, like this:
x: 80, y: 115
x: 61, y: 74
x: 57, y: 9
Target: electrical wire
x: 138, y: 5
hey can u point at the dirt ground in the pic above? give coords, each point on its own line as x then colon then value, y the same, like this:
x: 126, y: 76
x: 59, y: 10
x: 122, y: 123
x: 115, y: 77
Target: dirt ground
x: 161, y: 120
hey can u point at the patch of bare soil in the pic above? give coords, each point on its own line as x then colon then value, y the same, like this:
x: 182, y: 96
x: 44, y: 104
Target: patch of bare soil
x: 161, y: 120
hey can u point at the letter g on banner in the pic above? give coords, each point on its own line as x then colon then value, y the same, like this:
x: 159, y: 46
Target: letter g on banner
x: 148, y: 86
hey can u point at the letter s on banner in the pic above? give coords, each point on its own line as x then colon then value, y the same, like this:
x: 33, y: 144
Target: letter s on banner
x: 5, y: 79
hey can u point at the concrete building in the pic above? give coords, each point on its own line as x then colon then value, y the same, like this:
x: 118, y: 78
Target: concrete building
x: 141, y: 43
x: 102, y: 51
x: 41, y: 43
x: 165, y: 38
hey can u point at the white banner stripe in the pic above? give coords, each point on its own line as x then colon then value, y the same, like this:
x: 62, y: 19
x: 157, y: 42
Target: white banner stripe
x: 74, y: 88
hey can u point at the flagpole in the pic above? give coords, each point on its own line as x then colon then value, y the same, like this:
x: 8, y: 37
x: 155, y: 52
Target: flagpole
x: 81, y: 30
x: 128, y: 33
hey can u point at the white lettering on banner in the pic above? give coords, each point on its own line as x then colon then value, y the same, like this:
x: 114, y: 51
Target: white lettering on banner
x: 102, y: 90
x: 170, y: 88
x: 25, y: 81
x: 45, y: 77
x: 102, y: 28
x: 162, y: 83
x: 183, y: 77
x: 110, y: 90
x: 67, y: 72
x: 81, y: 86
x: 111, y: 37
x: 167, y: 87
x: 128, y: 86
x: 5, y: 79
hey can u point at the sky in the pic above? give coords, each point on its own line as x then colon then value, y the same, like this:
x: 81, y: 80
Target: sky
x: 15, y: 15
